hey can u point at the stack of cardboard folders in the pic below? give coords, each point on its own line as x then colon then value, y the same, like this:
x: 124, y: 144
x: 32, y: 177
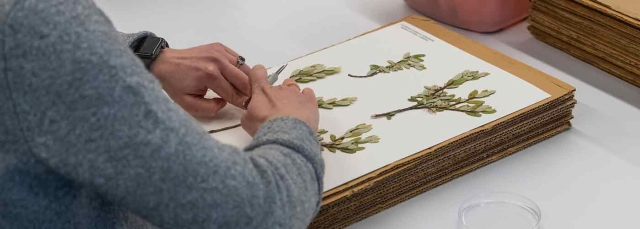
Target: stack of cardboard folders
x: 604, y: 33
x: 422, y: 171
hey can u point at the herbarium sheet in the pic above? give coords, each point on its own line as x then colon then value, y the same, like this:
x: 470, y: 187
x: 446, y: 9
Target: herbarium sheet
x: 390, y: 94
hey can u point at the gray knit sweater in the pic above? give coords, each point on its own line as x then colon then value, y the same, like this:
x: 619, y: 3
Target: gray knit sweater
x: 89, y: 140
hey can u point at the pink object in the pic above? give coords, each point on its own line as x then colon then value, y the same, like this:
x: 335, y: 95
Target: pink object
x: 475, y: 15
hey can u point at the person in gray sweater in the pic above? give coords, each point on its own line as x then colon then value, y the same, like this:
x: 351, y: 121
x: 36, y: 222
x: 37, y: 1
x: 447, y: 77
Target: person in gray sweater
x: 89, y: 139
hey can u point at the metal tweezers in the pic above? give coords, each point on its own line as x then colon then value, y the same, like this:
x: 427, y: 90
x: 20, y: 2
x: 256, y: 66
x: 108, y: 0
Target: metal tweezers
x: 271, y: 79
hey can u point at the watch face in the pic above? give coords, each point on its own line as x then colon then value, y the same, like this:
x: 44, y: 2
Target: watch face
x: 150, y: 45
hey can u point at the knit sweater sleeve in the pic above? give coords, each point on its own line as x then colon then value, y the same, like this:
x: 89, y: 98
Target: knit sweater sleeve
x: 95, y: 115
x: 131, y: 38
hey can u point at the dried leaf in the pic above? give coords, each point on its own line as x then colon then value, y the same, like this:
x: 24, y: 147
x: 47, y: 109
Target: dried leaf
x: 473, y: 94
x: 474, y: 114
x: 406, y: 55
x: 327, y: 106
x: 296, y: 72
x: 492, y: 111
x: 349, y: 151
x: 342, y: 103
x: 476, y: 102
x: 483, y: 108
x: 344, y: 145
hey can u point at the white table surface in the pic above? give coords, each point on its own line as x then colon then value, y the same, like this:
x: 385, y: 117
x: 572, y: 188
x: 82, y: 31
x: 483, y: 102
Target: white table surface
x: 588, y: 177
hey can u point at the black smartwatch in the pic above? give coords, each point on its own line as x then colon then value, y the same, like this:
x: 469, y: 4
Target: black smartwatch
x: 148, y: 49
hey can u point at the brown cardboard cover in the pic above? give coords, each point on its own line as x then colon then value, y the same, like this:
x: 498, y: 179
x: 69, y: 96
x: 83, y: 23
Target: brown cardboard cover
x: 461, y: 155
x: 626, y: 10
x: 424, y: 172
x: 549, y: 84
x: 586, y: 56
x: 549, y: 24
x: 595, y: 16
x: 382, y: 202
x: 391, y: 200
x: 603, y: 35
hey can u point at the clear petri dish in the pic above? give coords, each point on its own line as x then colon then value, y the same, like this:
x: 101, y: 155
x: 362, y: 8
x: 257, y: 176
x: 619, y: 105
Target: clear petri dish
x: 499, y: 210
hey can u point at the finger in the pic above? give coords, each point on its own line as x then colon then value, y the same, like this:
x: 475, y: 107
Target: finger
x: 308, y: 92
x: 224, y: 89
x: 230, y: 51
x: 291, y: 84
x: 258, y: 79
x: 237, y: 78
x: 199, y: 106
x: 289, y: 81
x: 233, y: 59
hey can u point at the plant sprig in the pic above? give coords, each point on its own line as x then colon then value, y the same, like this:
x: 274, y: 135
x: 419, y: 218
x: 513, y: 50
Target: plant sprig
x: 435, y: 99
x: 334, y: 102
x: 313, y: 73
x: 408, y: 61
x: 350, y: 141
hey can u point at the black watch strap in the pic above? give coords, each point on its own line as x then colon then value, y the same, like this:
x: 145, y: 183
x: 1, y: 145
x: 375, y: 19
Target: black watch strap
x: 148, y: 49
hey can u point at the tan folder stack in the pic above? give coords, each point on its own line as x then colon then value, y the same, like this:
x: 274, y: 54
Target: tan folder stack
x: 604, y: 33
x: 422, y: 171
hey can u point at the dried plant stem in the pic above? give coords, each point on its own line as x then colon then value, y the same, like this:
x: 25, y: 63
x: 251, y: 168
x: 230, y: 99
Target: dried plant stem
x: 436, y: 99
x: 365, y: 76
x: 418, y: 107
x: 414, y: 107
x: 407, y: 62
x: 350, y: 142
x: 224, y: 128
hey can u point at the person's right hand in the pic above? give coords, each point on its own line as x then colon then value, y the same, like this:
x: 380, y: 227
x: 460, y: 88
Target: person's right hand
x: 269, y: 102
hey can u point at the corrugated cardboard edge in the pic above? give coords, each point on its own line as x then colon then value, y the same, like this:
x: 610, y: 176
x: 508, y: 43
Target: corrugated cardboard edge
x: 621, y: 9
x: 585, y: 56
x: 364, y: 206
x: 581, y: 24
x: 596, y: 17
x: 554, y: 87
x: 392, y: 201
x: 445, y: 161
x: 550, y: 24
x: 423, y: 172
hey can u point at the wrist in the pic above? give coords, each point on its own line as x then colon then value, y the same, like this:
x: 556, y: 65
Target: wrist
x: 162, y: 62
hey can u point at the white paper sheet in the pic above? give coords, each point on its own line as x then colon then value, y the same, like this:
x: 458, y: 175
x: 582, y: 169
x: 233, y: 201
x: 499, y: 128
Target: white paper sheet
x: 407, y: 133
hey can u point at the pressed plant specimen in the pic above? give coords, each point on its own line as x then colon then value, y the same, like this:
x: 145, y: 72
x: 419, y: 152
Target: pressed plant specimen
x: 349, y: 142
x: 436, y: 99
x: 408, y: 61
x: 334, y: 102
x: 313, y: 73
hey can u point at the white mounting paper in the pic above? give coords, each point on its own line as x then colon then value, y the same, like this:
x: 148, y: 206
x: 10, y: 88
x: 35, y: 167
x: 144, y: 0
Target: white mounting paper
x: 409, y: 132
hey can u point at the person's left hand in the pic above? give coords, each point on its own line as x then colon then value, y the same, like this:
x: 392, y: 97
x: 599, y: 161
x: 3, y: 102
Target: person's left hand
x: 186, y: 74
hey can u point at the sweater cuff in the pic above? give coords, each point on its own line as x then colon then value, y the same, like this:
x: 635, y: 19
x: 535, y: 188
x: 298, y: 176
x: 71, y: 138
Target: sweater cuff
x: 132, y: 38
